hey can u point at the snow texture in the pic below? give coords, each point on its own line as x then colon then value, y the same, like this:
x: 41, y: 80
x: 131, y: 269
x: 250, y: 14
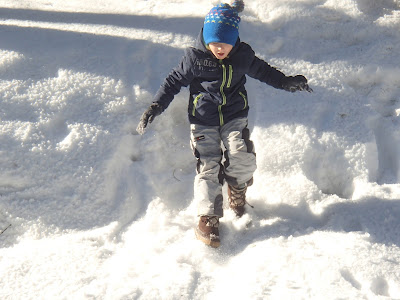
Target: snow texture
x: 100, y: 212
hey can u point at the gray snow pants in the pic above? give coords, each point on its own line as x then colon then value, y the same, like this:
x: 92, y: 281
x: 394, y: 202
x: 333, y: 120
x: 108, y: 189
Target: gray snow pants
x: 237, y: 169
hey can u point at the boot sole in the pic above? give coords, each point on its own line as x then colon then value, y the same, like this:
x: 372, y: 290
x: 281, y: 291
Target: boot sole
x: 212, y: 243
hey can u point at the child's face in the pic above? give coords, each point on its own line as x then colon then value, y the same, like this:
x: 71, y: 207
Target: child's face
x: 220, y: 50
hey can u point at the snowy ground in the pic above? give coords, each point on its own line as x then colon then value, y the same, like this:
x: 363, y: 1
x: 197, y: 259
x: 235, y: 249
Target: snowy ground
x: 99, y: 212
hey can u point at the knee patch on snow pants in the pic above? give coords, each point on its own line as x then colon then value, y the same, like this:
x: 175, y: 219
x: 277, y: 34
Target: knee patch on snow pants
x: 240, y: 161
x: 240, y: 158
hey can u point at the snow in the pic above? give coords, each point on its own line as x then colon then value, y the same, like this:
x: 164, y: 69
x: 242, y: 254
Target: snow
x: 100, y: 212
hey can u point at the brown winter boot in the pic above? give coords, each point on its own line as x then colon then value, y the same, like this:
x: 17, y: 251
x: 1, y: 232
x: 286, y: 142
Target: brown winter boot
x: 207, y: 231
x: 237, y: 199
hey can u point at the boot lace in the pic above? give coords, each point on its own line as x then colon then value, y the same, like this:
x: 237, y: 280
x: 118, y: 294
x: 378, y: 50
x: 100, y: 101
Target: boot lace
x: 238, y: 197
x: 212, y: 221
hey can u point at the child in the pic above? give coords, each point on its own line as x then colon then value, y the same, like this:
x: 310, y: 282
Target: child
x: 215, y: 70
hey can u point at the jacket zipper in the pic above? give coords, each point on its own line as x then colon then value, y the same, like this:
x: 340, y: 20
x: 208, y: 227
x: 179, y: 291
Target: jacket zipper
x: 221, y: 117
x: 244, y: 98
x: 228, y: 85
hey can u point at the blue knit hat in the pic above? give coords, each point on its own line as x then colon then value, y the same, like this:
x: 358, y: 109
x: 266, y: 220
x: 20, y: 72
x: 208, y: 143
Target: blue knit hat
x: 221, y: 24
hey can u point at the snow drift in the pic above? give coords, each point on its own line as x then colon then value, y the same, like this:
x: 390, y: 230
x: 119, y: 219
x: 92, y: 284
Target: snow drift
x: 99, y: 212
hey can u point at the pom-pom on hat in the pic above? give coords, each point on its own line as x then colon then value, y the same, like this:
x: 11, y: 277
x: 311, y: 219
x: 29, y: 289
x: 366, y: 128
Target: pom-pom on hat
x: 221, y: 25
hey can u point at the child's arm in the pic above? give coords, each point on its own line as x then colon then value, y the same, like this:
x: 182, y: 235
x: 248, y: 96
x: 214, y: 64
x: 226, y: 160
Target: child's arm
x: 180, y: 76
x: 262, y: 71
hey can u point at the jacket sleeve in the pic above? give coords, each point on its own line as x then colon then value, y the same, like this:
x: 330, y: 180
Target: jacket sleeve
x: 180, y: 76
x: 262, y: 71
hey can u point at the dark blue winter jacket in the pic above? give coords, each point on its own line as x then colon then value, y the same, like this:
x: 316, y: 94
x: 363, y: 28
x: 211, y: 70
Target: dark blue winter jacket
x: 217, y: 91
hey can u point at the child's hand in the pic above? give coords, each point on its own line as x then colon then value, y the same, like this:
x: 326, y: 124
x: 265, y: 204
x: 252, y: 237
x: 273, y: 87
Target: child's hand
x: 148, y: 116
x: 295, y: 83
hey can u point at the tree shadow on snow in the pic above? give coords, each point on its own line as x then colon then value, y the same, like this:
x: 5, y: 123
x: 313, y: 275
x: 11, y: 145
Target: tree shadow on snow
x: 344, y: 108
x: 62, y: 202
x: 46, y: 51
x: 377, y: 217
x: 182, y: 25
x: 377, y: 8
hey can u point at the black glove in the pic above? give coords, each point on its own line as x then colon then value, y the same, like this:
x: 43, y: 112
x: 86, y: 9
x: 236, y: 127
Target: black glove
x: 295, y: 83
x: 148, y: 116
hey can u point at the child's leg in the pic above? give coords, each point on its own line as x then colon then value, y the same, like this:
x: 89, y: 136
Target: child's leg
x: 240, y: 155
x: 206, y: 145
